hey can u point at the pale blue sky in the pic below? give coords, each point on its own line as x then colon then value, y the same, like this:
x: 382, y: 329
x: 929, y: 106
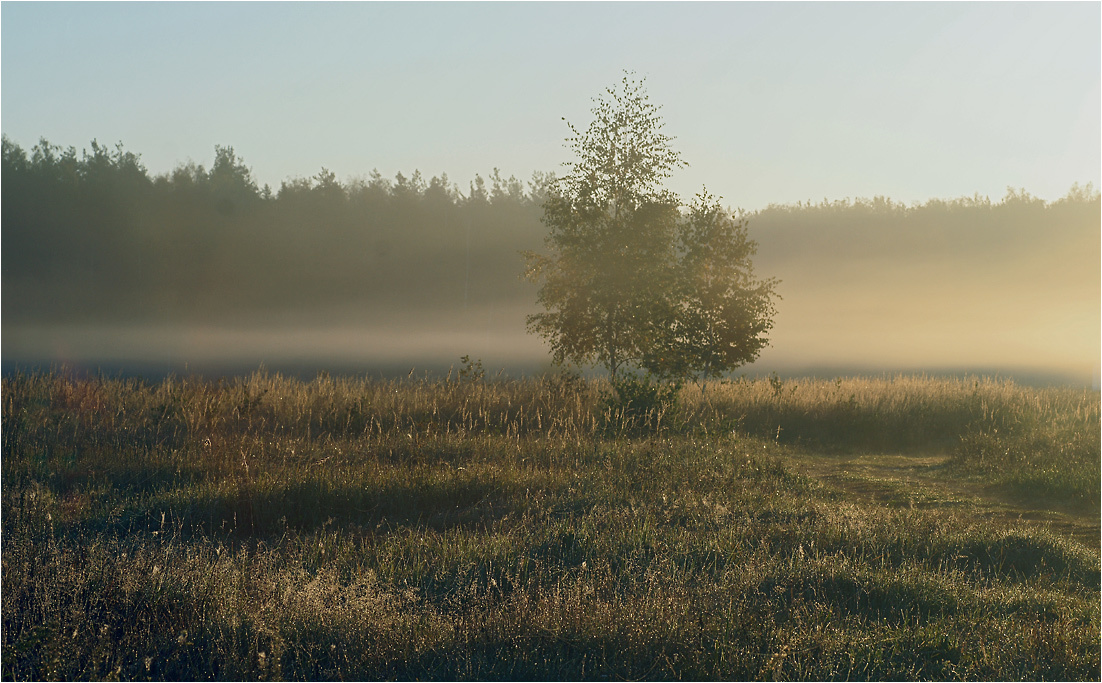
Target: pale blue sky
x: 770, y: 102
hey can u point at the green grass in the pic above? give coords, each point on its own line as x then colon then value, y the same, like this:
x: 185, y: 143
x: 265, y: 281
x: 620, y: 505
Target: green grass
x: 267, y: 528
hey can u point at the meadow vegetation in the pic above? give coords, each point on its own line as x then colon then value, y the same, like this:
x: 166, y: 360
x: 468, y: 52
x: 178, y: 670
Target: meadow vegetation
x: 267, y: 528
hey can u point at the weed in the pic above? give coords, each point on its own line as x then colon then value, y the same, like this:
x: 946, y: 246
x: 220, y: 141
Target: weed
x: 471, y: 371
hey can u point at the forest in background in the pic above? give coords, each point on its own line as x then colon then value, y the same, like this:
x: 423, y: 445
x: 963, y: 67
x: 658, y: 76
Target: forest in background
x: 93, y: 237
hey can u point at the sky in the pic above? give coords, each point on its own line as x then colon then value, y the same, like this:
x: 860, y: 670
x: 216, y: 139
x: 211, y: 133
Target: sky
x: 768, y: 102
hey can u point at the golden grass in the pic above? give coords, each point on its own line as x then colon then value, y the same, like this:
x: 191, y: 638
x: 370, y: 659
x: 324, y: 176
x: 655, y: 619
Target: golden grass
x: 266, y: 528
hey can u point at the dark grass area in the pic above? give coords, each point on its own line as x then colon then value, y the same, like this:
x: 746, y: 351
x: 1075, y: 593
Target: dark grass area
x: 265, y: 527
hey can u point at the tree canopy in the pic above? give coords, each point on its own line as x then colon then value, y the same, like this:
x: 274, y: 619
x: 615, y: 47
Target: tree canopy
x: 630, y: 279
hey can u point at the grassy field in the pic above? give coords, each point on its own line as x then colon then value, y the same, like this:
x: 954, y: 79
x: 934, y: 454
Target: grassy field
x: 267, y: 528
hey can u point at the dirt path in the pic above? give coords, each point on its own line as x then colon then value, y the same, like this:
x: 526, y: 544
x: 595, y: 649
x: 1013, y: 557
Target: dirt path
x: 921, y: 481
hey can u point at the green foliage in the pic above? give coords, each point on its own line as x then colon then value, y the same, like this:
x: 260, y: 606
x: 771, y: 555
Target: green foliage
x: 718, y: 315
x: 611, y: 237
x: 629, y: 281
x: 472, y: 371
x: 350, y: 529
x: 641, y: 402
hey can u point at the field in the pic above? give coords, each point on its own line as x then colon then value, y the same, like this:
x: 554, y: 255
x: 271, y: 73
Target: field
x: 269, y: 528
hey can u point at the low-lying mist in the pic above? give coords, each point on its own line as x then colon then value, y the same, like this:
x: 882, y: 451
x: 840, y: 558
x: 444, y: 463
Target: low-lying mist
x: 106, y: 268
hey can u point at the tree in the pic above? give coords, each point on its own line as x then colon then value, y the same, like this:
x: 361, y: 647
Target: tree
x: 718, y: 313
x: 628, y: 280
x: 230, y: 178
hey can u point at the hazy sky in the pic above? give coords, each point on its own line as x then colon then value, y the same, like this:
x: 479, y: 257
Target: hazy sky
x: 770, y: 102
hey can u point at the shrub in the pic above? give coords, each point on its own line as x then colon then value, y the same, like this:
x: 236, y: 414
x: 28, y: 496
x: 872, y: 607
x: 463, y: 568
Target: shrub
x: 640, y: 402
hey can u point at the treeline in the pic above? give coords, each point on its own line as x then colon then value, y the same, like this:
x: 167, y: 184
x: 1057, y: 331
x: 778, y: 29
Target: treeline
x: 92, y: 236
x: 1041, y: 255
x: 974, y: 228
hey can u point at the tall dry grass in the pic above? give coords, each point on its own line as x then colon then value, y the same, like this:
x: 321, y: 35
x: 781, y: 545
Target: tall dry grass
x: 266, y: 528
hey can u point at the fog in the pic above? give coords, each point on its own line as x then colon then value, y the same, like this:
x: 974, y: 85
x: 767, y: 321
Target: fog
x: 1009, y: 287
x: 392, y: 346
x: 200, y: 271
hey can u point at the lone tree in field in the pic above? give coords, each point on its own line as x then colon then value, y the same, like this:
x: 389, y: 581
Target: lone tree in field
x: 628, y: 280
x: 718, y: 313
